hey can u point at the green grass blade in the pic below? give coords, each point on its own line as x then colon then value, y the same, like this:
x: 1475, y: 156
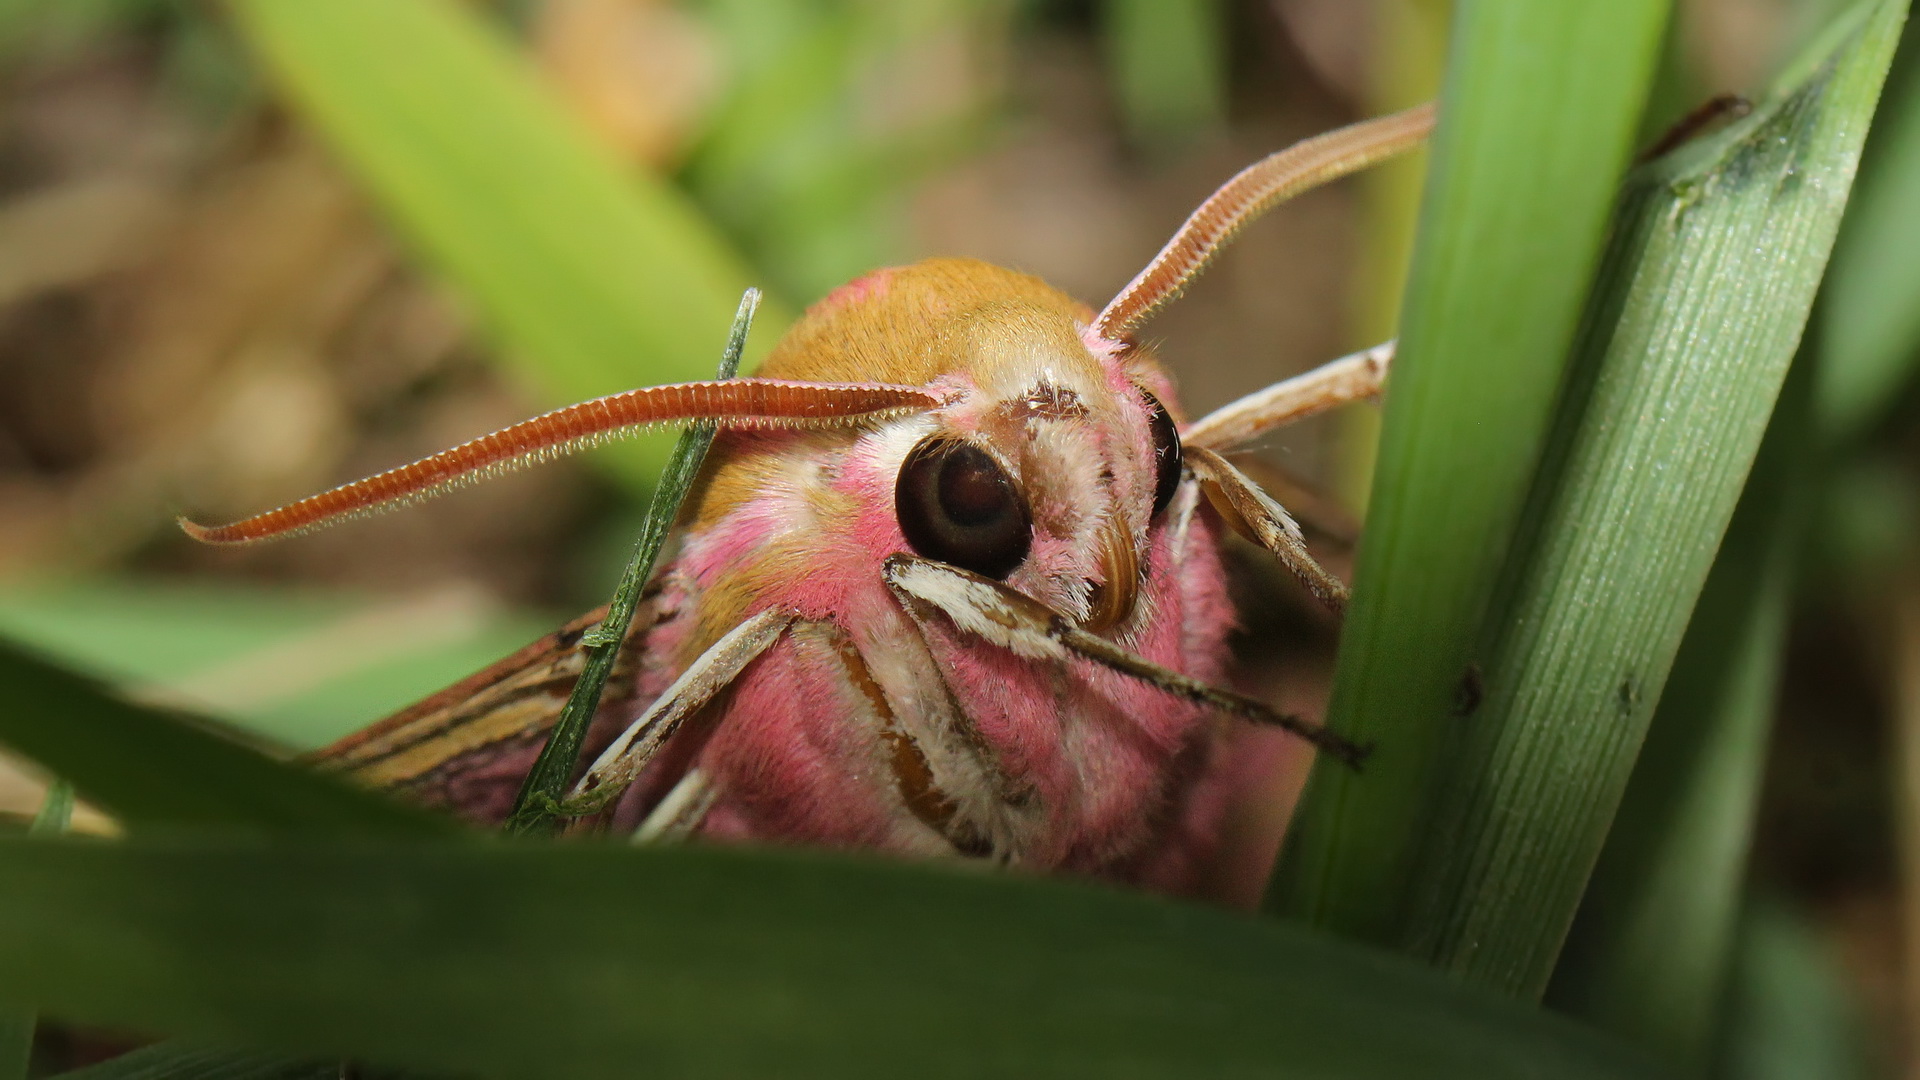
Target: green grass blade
x: 1717, y: 253
x: 592, y: 279
x: 1537, y: 117
x: 1167, y: 63
x: 538, y: 804
x: 300, y: 667
x: 1793, y: 1013
x: 153, y: 769
x: 16, y: 1042
x: 180, y: 1061
x: 56, y: 813
x: 1870, y: 326
x: 16, y: 1027
x: 1650, y: 950
x: 588, y: 961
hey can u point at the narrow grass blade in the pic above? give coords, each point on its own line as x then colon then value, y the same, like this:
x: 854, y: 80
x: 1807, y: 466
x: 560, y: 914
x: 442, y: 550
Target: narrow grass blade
x: 1650, y: 950
x: 1717, y: 253
x: 158, y: 770
x: 16, y: 1027
x: 593, y: 279
x: 56, y: 813
x: 1870, y: 326
x: 537, y: 806
x: 520, y: 960
x: 182, y: 1061
x: 1536, y: 121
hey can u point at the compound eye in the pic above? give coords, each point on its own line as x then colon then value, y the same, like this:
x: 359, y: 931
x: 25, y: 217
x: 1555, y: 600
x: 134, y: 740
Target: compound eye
x: 957, y: 505
x: 1166, y: 454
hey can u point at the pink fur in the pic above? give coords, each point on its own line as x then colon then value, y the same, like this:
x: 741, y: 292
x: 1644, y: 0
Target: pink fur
x: 866, y: 287
x: 1098, y: 771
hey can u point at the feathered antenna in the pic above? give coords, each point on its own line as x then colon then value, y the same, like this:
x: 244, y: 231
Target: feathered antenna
x: 1255, y: 190
x: 732, y: 403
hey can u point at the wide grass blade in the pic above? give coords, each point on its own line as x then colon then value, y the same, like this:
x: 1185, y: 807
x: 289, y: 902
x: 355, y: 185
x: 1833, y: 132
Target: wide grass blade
x: 158, y: 770
x: 1649, y: 953
x: 1537, y: 116
x: 589, y: 961
x: 592, y: 278
x: 1716, y: 255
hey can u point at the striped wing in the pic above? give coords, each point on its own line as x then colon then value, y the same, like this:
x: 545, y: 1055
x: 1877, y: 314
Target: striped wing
x: 467, y: 748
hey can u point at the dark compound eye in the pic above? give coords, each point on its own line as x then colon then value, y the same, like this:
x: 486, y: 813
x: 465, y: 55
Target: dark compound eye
x: 1166, y: 454
x: 956, y: 504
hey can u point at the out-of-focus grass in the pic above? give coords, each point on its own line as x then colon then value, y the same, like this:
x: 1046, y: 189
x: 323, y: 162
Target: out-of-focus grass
x: 299, y: 667
x: 593, y: 280
x: 1870, y: 324
x: 792, y: 174
x: 522, y: 961
x: 1168, y: 61
x: 1408, y: 62
x: 166, y: 772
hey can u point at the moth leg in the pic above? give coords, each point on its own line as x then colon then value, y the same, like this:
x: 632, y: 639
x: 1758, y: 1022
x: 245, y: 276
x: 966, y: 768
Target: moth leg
x: 1253, y: 514
x: 1003, y: 616
x: 1351, y: 378
x: 709, y: 674
x: 1316, y: 510
x: 681, y: 812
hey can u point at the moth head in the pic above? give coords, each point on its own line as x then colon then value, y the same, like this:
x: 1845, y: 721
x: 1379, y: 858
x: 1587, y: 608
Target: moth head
x: 1046, y: 466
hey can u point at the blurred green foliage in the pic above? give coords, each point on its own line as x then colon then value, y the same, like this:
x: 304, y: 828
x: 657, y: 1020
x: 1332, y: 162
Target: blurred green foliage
x: 594, y: 272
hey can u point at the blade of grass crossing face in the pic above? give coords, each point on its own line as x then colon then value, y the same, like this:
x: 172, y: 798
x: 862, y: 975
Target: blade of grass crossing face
x: 551, y: 960
x: 1649, y: 952
x: 593, y: 279
x: 1716, y: 255
x: 1536, y: 121
x: 538, y: 804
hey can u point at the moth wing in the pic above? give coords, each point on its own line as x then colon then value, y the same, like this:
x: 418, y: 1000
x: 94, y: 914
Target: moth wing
x: 467, y: 748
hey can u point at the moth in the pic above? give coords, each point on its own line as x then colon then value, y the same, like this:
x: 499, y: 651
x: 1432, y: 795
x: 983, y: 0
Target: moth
x: 950, y: 584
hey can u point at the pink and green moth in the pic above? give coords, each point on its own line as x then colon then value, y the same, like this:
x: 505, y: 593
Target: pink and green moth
x: 951, y: 583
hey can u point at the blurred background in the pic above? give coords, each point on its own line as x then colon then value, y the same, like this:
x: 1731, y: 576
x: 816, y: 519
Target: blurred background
x: 202, y: 309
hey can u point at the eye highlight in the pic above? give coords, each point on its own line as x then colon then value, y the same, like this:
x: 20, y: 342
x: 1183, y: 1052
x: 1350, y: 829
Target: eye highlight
x: 1166, y: 454
x: 958, y: 506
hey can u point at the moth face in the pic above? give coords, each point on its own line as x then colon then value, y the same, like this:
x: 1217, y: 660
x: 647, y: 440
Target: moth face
x: 1046, y: 469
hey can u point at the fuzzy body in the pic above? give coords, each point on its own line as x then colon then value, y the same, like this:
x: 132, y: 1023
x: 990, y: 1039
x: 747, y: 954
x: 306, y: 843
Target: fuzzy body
x: 874, y: 725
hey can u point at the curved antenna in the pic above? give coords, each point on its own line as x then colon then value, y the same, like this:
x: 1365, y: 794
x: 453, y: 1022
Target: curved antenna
x: 1255, y: 190
x: 732, y: 403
